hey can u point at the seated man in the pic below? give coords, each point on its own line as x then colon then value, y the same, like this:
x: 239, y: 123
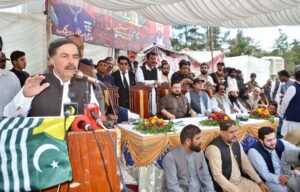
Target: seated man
x: 291, y: 158
x: 237, y: 106
x: 220, y: 101
x: 266, y: 155
x: 198, y: 98
x: 273, y: 108
x: 175, y: 105
x: 244, y: 99
x: 102, y: 74
x: 229, y: 164
x: 256, y: 99
x: 185, y: 166
x: 116, y: 114
x: 183, y: 74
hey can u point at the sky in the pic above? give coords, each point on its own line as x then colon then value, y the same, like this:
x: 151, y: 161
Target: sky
x: 267, y: 35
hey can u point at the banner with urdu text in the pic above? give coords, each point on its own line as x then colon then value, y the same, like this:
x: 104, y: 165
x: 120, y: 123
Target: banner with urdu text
x: 126, y: 31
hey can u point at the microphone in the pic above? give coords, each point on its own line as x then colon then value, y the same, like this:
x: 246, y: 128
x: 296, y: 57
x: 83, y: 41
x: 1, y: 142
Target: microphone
x: 95, y: 116
x: 81, y: 123
x: 79, y: 75
x: 92, y: 112
x: 70, y: 109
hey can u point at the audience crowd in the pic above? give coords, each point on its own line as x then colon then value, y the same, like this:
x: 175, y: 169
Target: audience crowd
x: 223, y: 166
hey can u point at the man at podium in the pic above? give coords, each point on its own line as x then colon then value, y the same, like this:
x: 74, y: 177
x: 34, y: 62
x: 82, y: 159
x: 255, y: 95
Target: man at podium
x: 44, y: 95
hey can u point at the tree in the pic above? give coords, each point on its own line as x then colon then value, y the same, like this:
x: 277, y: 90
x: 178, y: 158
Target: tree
x: 292, y: 56
x: 242, y: 45
x: 187, y: 36
x: 281, y: 44
x: 196, y: 37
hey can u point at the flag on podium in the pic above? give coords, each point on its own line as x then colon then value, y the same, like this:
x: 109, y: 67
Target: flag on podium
x: 33, y: 153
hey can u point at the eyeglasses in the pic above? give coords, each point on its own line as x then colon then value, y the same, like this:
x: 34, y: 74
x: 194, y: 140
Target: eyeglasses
x: 123, y: 63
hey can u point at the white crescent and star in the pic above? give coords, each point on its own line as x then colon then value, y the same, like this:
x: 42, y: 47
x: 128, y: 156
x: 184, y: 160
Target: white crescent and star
x: 39, y: 152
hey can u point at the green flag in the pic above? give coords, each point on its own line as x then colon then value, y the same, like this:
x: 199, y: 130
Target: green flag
x: 33, y: 156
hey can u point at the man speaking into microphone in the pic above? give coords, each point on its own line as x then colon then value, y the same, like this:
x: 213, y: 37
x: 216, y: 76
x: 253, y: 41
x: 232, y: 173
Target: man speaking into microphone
x: 44, y: 95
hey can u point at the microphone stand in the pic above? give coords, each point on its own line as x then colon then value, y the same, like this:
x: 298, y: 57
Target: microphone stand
x: 87, y: 93
x: 114, y: 149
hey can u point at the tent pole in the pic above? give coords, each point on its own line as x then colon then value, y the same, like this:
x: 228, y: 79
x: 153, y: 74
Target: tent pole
x: 211, y: 48
x: 48, y: 25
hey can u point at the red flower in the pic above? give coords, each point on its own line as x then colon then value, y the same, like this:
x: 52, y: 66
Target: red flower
x: 215, y: 118
x: 161, y: 124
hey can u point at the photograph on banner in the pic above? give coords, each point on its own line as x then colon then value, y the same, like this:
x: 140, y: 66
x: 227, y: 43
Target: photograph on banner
x: 121, y: 30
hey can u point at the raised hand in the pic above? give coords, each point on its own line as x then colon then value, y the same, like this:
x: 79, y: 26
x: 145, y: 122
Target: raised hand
x: 33, y: 87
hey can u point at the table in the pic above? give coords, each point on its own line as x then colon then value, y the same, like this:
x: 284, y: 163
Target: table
x: 145, y: 149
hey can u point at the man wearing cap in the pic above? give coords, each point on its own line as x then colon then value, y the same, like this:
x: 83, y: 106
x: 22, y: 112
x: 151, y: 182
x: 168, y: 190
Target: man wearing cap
x: 229, y: 164
x: 204, y: 74
x: 198, y: 99
x: 233, y: 97
x: 290, y: 108
x: 219, y: 76
x: 19, y: 63
x: 175, y: 105
x: 3, y: 60
x: 185, y: 166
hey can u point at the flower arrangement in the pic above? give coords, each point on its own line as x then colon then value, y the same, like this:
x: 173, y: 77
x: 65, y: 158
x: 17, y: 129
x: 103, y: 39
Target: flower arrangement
x: 154, y: 125
x: 260, y: 113
x: 214, y: 119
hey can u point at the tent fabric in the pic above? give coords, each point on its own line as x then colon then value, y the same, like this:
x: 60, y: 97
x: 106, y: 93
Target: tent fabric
x: 249, y: 64
x: 25, y: 32
x: 12, y: 3
x: 201, y: 56
x: 217, y: 13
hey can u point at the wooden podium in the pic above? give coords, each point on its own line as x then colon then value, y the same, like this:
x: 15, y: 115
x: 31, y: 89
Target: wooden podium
x: 87, y: 167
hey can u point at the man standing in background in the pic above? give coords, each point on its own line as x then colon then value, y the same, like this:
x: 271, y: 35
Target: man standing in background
x: 3, y: 60
x: 18, y: 61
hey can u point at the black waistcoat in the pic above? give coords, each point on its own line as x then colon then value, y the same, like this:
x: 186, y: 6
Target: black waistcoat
x: 226, y: 159
x: 49, y: 101
x: 149, y: 75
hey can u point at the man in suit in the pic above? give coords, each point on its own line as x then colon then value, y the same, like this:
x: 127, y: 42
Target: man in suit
x: 185, y: 166
x: 123, y: 79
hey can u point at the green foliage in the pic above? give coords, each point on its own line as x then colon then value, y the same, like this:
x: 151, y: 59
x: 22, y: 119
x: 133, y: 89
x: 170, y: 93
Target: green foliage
x: 196, y: 37
x: 281, y: 44
x: 242, y: 45
x: 145, y: 126
x: 209, y: 122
